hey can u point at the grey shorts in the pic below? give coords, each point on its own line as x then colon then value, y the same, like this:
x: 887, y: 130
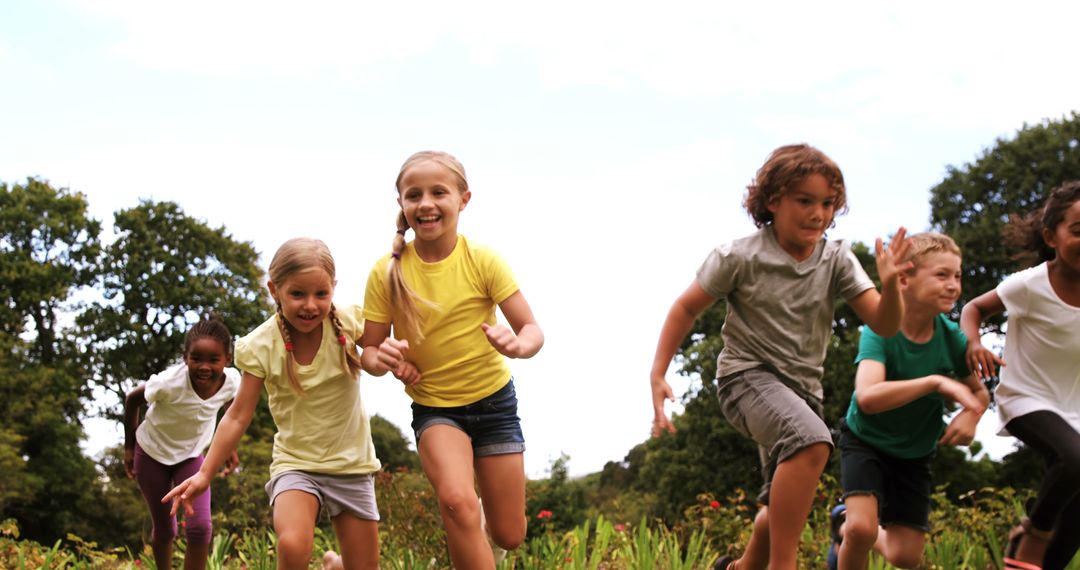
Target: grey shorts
x: 354, y: 494
x: 780, y: 418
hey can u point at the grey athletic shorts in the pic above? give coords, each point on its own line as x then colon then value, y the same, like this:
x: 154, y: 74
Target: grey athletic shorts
x: 780, y: 418
x: 337, y: 493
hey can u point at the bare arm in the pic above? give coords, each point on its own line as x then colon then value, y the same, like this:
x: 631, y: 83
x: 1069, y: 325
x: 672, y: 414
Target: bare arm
x: 961, y: 430
x: 526, y: 338
x: 677, y: 325
x: 875, y: 395
x: 980, y: 359
x: 383, y: 353
x: 133, y: 403
x: 882, y: 311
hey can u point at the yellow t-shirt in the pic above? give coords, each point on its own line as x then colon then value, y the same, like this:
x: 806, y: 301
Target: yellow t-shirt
x: 326, y: 430
x: 457, y: 363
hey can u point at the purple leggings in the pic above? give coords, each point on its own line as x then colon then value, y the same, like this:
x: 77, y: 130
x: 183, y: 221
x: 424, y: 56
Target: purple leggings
x: 155, y: 480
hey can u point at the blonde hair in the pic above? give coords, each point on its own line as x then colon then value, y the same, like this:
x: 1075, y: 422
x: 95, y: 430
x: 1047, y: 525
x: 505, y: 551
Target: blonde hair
x: 928, y: 243
x: 402, y: 296
x: 299, y: 255
x: 786, y: 167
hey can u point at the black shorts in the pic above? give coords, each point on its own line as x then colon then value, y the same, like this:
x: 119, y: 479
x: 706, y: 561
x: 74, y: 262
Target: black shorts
x: 902, y: 486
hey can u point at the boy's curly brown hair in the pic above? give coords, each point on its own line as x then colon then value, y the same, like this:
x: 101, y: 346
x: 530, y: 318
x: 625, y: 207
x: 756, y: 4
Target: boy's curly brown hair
x: 786, y: 167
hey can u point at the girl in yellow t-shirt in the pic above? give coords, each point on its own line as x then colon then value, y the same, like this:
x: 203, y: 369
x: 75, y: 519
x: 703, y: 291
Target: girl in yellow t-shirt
x: 305, y: 356
x: 437, y: 294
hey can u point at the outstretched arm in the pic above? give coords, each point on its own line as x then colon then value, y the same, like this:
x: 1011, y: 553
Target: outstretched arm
x: 526, y: 338
x: 679, y: 320
x: 874, y: 395
x: 979, y: 358
x: 227, y: 437
x: 882, y: 311
x: 133, y: 403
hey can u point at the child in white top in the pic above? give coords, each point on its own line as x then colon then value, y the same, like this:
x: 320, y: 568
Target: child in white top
x: 1039, y: 395
x: 167, y: 446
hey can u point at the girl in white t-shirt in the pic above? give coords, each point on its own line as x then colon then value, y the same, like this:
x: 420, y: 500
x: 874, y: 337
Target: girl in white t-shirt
x: 1039, y: 395
x: 305, y: 357
x: 167, y: 446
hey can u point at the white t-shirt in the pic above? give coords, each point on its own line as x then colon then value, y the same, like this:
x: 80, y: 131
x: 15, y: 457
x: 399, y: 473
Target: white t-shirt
x: 179, y: 424
x: 1042, y: 350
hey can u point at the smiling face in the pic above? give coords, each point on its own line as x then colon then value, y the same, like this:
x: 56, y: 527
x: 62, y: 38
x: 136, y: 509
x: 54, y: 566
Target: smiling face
x: 801, y: 215
x: 935, y: 282
x: 305, y: 299
x: 206, y: 359
x: 431, y: 197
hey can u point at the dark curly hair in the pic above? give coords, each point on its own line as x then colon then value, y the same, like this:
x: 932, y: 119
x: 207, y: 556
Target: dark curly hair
x: 211, y: 326
x: 1025, y: 233
x: 786, y: 167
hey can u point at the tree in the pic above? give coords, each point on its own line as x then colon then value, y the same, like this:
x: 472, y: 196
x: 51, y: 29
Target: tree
x: 48, y: 251
x: 973, y: 203
x: 391, y: 447
x: 163, y: 273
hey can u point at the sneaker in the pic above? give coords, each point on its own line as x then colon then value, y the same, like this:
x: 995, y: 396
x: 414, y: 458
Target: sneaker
x: 836, y: 520
x: 497, y: 552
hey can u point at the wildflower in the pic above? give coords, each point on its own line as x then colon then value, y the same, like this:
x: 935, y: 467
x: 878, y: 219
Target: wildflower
x: 619, y: 527
x: 714, y: 504
x: 544, y: 514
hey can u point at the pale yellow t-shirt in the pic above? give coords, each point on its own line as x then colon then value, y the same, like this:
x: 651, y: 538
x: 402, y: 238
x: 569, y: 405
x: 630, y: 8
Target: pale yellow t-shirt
x: 457, y: 363
x: 326, y: 430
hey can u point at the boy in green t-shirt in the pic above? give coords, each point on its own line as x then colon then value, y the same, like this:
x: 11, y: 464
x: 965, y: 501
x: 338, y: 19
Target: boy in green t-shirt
x: 895, y: 421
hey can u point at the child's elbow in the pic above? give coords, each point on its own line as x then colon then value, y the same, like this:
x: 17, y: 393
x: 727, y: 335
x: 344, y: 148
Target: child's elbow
x: 867, y: 405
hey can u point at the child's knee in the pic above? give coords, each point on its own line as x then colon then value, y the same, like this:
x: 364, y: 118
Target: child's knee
x: 906, y: 559
x: 198, y: 531
x: 164, y: 531
x: 295, y: 546
x: 509, y: 536
x: 860, y: 533
x: 459, y: 505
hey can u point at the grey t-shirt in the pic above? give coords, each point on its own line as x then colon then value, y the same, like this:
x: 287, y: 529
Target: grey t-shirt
x: 780, y: 310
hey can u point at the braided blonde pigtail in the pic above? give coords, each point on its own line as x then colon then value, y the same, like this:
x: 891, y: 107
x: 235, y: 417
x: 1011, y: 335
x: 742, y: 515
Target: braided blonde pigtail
x: 290, y: 360
x: 349, y: 359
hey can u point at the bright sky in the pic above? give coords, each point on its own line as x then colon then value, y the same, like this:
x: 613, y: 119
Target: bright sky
x: 608, y: 144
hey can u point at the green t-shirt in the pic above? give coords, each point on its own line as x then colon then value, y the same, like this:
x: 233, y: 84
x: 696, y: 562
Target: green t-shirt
x: 912, y: 430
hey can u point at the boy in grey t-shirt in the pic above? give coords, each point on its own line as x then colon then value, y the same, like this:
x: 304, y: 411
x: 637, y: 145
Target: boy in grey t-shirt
x: 780, y: 284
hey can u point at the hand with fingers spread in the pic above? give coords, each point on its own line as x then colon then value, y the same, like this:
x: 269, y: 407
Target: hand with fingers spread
x: 982, y: 361
x: 889, y: 266
x: 503, y: 339
x: 661, y: 393
x: 185, y: 493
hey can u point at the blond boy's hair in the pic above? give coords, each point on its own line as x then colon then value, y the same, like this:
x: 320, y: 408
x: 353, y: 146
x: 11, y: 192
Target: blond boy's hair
x: 929, y: 243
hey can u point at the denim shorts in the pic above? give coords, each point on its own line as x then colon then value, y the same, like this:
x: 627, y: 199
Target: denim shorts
x: 902, y: 486
x: 779, y: 417
x: 491, y: 423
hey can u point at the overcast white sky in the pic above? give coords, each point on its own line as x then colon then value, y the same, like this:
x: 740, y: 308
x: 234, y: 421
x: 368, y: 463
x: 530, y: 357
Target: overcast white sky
x: 608, y: 143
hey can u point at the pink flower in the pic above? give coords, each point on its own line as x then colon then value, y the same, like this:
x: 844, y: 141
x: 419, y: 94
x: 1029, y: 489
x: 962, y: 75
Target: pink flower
x: 620, y: 527
x: 544, y: 514
x: 714, y: 504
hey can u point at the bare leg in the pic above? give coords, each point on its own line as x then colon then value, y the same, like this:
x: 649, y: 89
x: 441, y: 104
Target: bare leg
x: 294, y: 522
x: 790, y: 499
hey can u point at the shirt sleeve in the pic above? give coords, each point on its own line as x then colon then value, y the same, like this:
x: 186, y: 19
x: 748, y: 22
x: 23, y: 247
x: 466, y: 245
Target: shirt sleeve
x: 246, y: 358
x: 871, y: 346
x: 157, y: 388
x: 852, y: 279
x: 376, y: 298
x: 498, y: 277
x: 718, y: 273
x: 1013, y: 292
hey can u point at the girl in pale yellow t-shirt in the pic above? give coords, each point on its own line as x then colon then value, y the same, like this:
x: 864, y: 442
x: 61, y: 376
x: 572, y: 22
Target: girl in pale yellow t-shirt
x: 438, y: 295
x: 305, y: 356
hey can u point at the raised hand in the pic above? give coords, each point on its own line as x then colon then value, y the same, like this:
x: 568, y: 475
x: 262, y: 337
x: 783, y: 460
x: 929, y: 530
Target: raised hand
x: 888, y: 259
x: 503, y: 339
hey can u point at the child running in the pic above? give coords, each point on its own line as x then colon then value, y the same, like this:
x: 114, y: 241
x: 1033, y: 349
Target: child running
x: 894, y: 423
x: 780, y: 284
x: 437, y: 294
x: 1039, y: 395
x: 323, y: 455
x: 167, y: 446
